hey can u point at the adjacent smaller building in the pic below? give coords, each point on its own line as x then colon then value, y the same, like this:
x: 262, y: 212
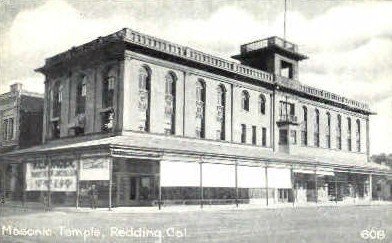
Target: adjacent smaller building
x: 21, y: 114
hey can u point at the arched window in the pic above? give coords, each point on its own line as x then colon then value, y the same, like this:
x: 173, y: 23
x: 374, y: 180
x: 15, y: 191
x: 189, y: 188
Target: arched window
x: 304, y: 127
x: 262, y: 104
x: 108, y: 86
x: 200, y: 108
x: 56, y: 96
x: 144, y: 98
x: 221, y: 106
x: 339, y: 132
x: 245, y: 100
x: 81, y: 93
x: 317, y: 128
x: 358, y: 137
x: 328, y: 132
x: 56, y: 99
x: 349, y: 146
x: 170, y: 102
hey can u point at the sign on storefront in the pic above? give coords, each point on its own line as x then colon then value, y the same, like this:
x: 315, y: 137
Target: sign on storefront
x: 94, y: 169
x: 61, y: 177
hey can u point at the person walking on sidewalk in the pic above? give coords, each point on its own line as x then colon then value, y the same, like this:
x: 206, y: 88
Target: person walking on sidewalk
x: 94, y: 197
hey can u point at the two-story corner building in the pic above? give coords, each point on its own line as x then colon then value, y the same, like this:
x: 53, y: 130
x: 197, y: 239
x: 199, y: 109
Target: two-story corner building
x: 146, y: 121
x: 21, y: 115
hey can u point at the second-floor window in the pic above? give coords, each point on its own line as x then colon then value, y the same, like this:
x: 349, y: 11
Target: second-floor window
x: 145, y: 98
x: 339, y: 133
x: 170, y: 103
x: 243, y: 133
x: 358, y: 136
x: 264, y: 137
x: 317, y: 128
x: 287, y: 111
x: 8, y: 129
x: 200, y: 108
x: 56, y: 99
x: 262, y: 104
x: 254, y: 135
x: 304, y: 127
x: 245, y: 100
x: 349, y: 146
x: 328, y: 132
x: 108, y: 87
x: 221, y: 113
x: 81, y: 93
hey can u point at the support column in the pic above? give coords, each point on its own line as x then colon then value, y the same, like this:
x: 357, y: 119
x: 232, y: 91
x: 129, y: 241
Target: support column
x: 110, y: 182
x: 293, y: 184
x: 24, y: 183
x: 160, y: 188
x: 201, y: 184
x: 49, y: 161
x: 77, y: 181
x: 315, y: 185
x: 370, y: 187
x: 266, y: 182
x: 336, y: 190
x: 236, y: 183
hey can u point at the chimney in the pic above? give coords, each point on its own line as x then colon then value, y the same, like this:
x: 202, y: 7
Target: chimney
x: 16, y: 87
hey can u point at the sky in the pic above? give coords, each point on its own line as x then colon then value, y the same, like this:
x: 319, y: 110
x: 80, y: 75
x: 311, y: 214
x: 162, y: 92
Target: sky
x: 349, y: 43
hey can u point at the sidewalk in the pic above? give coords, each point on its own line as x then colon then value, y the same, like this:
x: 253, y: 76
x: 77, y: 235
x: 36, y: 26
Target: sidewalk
x: 31, y: 206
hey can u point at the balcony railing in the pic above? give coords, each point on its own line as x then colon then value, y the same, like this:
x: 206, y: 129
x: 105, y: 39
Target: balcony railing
x: 271, y: 41
x: 287, y: 83
x: 287, y: 119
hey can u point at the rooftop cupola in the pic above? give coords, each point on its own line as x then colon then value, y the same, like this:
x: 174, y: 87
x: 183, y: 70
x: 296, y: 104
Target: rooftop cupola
x: 274, y: 55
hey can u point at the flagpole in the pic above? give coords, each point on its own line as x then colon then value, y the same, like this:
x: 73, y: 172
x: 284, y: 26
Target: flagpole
x: 284, y: 24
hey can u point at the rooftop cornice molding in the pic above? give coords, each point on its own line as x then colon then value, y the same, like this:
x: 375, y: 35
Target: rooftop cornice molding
x: 136, y: 38
x: 15, y: 94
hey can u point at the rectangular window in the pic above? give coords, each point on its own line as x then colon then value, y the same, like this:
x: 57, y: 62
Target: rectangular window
x: 107, y: 121
x: 55, y: 129
x: 339, y: 142
x: 254, y: 135
x: 349, y: 147
x: 304, y: 138
x: 198, y: 133
x: 358, y: 145
x: 168, y: 131
x: 283, y: 137
x: 328, y: 140
x: 317, y: 139
x: 5, y: 129
x: 243, y: 133
x: 10, y: 128
x: 293, y: 135
x: 264, y: 138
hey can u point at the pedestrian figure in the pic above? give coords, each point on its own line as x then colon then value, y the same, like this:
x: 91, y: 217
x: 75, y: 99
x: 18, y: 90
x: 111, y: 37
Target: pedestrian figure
x: 45, y: 201
x: 94, y: 197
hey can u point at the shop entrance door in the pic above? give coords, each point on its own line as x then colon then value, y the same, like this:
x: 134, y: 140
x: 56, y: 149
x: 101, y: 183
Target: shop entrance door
x: 142, y: 190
